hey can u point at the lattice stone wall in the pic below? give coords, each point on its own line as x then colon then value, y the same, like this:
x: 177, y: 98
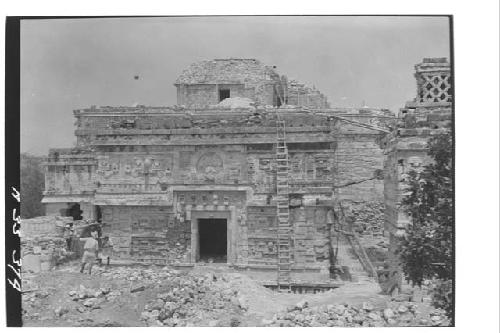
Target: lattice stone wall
x: 434, y: 88
x: 433, y: 81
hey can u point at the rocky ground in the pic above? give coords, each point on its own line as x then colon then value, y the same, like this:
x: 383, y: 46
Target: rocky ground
x: 155, y: 296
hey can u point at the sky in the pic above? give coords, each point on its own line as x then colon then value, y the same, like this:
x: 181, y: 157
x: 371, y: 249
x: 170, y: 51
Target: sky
x: 75, y: 63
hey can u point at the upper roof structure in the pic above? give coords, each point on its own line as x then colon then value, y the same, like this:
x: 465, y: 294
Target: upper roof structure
x: 229, y: 71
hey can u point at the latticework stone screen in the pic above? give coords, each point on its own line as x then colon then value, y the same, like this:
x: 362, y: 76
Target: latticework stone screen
x: 434, y: 88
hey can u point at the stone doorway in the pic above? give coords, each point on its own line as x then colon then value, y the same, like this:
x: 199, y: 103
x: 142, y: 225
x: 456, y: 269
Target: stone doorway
x: 201, y: 220
x: 212, y: 236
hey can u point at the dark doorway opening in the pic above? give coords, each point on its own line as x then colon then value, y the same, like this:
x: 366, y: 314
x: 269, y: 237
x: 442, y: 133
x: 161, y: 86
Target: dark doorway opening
x: 98, y: 214
x: 223, y: 94
x: 74, y: 211
x: 213, y: 240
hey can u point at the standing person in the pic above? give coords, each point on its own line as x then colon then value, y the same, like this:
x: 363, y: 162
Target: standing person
x: 68, y: 235
x: 90, y: 248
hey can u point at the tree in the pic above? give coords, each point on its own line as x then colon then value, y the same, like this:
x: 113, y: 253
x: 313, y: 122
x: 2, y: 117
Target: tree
x: 32, y: 185
x: 427, y: 249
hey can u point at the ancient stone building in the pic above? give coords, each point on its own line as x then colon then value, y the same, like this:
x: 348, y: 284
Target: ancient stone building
x: 207, y: 83
x: 429, y: 114
x: 198, y: 181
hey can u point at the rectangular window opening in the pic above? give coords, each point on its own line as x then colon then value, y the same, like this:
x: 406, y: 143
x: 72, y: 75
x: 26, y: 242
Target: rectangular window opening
x: 223, y: 94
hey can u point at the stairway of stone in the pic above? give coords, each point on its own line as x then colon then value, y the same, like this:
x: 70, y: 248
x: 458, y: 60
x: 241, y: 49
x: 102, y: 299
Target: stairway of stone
x: 346, y: 257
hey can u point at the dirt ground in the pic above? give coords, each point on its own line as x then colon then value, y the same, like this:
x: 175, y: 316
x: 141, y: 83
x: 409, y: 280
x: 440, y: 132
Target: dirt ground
x: 123, y: 293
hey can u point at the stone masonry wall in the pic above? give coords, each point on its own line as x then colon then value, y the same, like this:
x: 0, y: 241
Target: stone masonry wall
x: 203, y: 95
x: 146, y: 233
x: 360, y: 160
x: 309, y: 237
x: 142, y: 156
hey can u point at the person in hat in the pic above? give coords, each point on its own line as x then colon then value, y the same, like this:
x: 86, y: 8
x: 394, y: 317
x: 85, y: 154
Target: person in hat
x: 90, y: 248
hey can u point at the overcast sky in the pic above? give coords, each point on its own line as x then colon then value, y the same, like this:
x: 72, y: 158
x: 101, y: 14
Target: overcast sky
x: 71, y: 64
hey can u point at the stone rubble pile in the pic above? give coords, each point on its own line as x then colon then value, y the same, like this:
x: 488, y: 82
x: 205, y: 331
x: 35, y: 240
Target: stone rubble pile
x: 89, y: 298
x: 44, y: 225
x: 195, y: 300
x: 144, y: 275
x: 43, y: 244
x: 32, y: 301
x: 344, y: 315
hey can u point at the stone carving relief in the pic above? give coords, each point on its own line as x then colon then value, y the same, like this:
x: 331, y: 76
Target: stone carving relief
x: 210, y: 166
x: 107, y: 169
x: 138, y: 166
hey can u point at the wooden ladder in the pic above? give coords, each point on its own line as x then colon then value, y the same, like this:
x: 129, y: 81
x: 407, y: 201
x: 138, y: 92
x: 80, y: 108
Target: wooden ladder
x: 282, y: 207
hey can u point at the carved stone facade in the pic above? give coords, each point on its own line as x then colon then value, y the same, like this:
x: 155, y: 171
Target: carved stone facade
x: 154, y: 175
